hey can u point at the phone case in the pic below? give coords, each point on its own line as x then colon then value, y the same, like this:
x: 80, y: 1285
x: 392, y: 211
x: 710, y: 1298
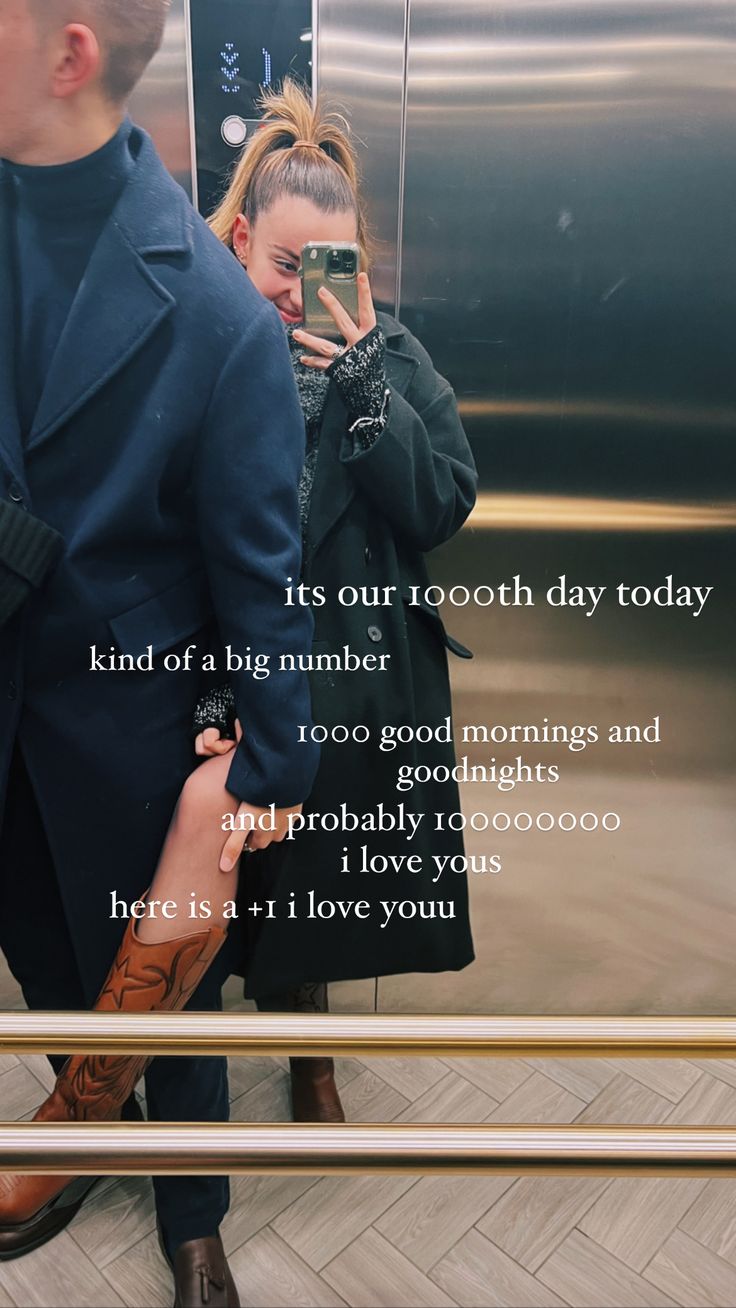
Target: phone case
x: 315, y: 273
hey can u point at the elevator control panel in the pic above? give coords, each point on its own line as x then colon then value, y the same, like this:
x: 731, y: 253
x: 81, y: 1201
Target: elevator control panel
x: 239, y: 47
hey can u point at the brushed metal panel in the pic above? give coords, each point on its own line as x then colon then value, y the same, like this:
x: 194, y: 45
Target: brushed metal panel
x: 161, y: 101
x: 568, y: 260
x: 360, y: 68
x: 568, y: 251
x: 261, y: 40
x: 643, y: 920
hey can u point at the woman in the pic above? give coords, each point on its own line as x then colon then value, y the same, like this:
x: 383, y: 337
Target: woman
x: 388, y: 475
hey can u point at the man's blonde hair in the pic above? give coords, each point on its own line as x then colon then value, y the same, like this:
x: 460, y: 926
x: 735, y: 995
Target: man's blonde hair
x: 129, y: 32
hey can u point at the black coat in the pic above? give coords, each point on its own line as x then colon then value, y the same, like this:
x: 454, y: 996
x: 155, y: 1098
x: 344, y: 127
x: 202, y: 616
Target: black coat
x: 166, y: 450
x: 373, y: 515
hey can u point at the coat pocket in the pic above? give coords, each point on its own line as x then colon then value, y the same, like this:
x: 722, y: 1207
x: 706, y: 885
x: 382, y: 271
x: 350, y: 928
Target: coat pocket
x: 163, y: 620
x: 432, y: 616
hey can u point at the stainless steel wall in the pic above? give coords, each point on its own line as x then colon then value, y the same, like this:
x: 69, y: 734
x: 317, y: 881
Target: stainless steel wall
x: 568, y: 250
x: 161, y: 102
x: 361, y: 66
x: 566, y: 254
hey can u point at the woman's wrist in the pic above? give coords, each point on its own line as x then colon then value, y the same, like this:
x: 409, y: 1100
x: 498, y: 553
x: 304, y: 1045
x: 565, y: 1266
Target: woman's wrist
x: 215, y: 708
x: 366, y: 430
x: 360, y: 377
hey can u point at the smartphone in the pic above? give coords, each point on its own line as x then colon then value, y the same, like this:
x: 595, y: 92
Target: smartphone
x: 334, y: 264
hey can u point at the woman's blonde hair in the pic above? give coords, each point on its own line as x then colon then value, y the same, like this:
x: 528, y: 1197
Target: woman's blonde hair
x: 300, y: 150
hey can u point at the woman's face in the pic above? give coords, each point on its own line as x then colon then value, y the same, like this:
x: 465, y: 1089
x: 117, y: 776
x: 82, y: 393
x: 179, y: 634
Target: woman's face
x: 271, y: 247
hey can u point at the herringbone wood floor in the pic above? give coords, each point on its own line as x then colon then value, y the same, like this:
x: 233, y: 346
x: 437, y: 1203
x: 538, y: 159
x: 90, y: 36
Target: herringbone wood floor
x: 415, y: 1241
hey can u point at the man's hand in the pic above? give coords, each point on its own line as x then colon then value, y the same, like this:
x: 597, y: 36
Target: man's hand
x: 256, y: 838
x: 211, y: 743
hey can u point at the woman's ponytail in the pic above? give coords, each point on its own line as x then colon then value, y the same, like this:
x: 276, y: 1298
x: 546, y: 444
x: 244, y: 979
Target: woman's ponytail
x: 300, y: 150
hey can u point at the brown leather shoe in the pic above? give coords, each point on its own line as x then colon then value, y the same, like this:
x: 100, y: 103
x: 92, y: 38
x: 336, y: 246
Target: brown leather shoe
x: 202, y: 1277
x: 314, y: 1094
x: 93, y: 1087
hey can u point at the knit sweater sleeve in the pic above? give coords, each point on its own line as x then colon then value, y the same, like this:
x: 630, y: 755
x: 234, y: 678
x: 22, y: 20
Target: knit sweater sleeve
x: 215, y: 708
x: 360, y: 377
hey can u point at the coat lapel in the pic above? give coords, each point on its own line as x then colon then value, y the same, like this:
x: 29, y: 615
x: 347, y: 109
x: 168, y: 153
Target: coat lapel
x: 334, y: 485
x: 117, y: 307
x: 120, y: 301
x: 400, y: 366
x: 10, y: 442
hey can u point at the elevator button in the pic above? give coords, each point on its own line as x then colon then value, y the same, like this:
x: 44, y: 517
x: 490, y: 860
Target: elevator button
x: 234, y: 130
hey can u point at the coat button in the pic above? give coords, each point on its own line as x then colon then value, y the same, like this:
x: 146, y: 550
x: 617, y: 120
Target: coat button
x: 15, y: 493
x: 368, y: 555
x: 12, y: 690
x: 375, y: 633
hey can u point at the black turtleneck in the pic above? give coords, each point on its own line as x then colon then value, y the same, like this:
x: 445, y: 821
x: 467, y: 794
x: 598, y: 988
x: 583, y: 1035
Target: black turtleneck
x: 60, y: 211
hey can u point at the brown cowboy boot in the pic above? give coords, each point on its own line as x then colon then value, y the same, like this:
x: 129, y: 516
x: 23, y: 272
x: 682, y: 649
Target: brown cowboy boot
x: 314, y: 1096
x: 144, y: 978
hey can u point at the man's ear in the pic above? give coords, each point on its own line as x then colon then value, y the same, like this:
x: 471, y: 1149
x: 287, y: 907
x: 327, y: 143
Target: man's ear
x: 241, y: 238
x: 78, y: 60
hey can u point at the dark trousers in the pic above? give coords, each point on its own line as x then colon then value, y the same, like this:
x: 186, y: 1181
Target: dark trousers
x: 36, y: 943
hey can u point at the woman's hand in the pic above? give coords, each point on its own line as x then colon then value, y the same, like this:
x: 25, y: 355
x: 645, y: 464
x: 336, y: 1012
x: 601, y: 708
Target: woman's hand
x: 325, y: 352
x: 210, y: 742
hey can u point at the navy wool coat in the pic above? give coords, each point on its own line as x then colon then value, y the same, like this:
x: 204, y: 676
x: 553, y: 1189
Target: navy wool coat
x: 166, y: 450
x: 373, y: 516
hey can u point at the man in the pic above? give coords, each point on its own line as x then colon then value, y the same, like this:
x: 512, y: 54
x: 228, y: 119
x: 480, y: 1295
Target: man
x: 148, y: 415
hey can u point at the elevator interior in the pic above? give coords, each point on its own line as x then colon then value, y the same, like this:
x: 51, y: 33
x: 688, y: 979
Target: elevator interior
x: 552, y: 189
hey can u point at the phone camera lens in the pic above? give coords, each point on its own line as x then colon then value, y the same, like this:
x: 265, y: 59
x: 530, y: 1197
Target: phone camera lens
x: 335, y: 261
x: 349, y: 262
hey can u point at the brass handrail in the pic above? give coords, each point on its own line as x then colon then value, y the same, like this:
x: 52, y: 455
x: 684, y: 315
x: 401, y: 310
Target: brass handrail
x: 372, y: 1034
x: 511, y: 511
x: 216, y: 1149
